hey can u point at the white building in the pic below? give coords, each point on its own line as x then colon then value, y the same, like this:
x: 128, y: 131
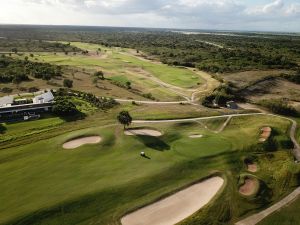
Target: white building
x: 44, y: 98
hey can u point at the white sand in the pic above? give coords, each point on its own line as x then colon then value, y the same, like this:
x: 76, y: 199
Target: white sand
x: 196, y: 136
x: 81, y: 141
x: 178, y: 206
x: 143, y: 132
x: 249, y: 188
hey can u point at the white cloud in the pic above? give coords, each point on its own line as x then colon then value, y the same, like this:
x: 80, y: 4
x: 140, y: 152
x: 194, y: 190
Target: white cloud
x: 214, y: 14
x: 274, y: 6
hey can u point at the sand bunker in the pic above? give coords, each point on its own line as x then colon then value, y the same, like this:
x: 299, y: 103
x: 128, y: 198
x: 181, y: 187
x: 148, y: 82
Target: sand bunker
x: 81, y: 141
x: 265, y: 134
x: 252, y: 167
x: 196, y: 136
x: 143, y: 132
x: 249, y: 187
x: 177, y: 207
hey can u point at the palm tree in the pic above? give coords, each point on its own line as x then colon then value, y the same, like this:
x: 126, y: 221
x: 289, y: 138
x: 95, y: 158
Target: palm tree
x: 124, y: 118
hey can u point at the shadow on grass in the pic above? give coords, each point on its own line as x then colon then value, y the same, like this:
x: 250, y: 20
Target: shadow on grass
x: 74, y: 117
x: 2, y: 129
x: 153, y: 142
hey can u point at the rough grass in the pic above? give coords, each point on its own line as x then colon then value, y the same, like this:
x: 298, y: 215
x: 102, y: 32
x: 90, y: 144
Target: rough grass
x: 289, y: 215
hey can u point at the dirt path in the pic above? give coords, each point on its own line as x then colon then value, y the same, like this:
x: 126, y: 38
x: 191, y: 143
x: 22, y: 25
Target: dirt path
x: 177, y: 207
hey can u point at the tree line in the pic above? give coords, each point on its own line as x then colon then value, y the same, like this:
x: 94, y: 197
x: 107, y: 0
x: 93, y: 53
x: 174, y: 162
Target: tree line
x: 17, y: 70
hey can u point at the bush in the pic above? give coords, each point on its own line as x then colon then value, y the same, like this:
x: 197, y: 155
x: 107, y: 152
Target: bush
x: 64, y: 107
x: 279, y: 106
x: 68, y: 83
x: 33, y: 89
x: 6, y: 90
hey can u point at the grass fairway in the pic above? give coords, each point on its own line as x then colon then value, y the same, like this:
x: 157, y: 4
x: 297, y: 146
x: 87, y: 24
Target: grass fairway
x: 165, y: 83
x: 97, y: 184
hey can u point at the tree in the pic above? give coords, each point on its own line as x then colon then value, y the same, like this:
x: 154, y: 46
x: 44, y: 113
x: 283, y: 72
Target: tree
x: 14, y: 50
x: 124, y: 118
x: 99, y: 74
x: 128, y: 84
x: 68, y: 83
x: 64, y: 107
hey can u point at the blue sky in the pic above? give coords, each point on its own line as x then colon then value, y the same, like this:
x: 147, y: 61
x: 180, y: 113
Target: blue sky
x: 257, y: 15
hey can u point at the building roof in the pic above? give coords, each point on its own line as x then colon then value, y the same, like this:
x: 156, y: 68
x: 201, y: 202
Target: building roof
x: 44, y: 98
x: 5, y: 101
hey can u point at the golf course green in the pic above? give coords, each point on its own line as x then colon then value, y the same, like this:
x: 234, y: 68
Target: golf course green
x: 99, y: 183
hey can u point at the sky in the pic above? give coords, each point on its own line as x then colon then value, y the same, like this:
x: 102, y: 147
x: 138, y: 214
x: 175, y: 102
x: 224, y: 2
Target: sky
x: 250, y: 15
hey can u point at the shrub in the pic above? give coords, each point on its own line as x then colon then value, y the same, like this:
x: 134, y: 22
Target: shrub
x: 279, y: 106
x: 64, y: 107
x: 68, y: 83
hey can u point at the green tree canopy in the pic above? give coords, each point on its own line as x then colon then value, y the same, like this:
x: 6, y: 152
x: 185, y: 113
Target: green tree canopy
x: 124, y: 118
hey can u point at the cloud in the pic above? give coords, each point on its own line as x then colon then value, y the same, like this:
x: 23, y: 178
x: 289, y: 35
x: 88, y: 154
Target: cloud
x: 213, y: 14
x: 273, y: 7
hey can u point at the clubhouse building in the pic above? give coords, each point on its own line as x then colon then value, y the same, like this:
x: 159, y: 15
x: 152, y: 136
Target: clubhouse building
x: 12, y: 109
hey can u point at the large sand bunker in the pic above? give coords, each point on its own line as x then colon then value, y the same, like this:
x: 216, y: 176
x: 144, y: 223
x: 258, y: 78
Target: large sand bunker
x: 249, y: 187
x: 81, y: 141
x: 265, y: 134
x: 178, y: 206
x: 143, y: 132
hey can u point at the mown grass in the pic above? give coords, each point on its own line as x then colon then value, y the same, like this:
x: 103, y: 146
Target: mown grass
x: 97, y: 184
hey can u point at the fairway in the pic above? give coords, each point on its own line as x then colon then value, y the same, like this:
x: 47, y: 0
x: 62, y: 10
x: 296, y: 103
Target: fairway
x: 45, y: 177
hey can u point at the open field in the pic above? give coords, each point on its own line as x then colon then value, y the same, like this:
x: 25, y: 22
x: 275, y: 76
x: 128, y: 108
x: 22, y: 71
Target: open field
x: 52, y: 185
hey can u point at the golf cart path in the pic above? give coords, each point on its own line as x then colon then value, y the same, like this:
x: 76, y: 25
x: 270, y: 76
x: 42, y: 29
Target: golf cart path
x: 176, y: 207
x: 254, y: 219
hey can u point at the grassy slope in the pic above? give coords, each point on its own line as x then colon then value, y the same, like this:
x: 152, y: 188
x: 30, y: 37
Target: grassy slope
x: 110, y: 178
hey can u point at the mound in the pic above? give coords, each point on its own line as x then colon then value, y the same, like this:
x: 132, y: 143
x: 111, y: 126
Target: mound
x: 143, y: 132
x: 196, y: 136
x: 177, y: 207
x: 249, y: 187
x: 81, y: 141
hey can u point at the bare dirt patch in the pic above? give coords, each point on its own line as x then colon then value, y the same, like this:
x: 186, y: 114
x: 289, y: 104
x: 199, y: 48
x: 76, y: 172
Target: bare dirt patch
x: 81, y: 141
x: 249, y: 187
x: 143, y: 132
x: 251, y: 165
x: 265, y: 134
x: 178, y: 206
